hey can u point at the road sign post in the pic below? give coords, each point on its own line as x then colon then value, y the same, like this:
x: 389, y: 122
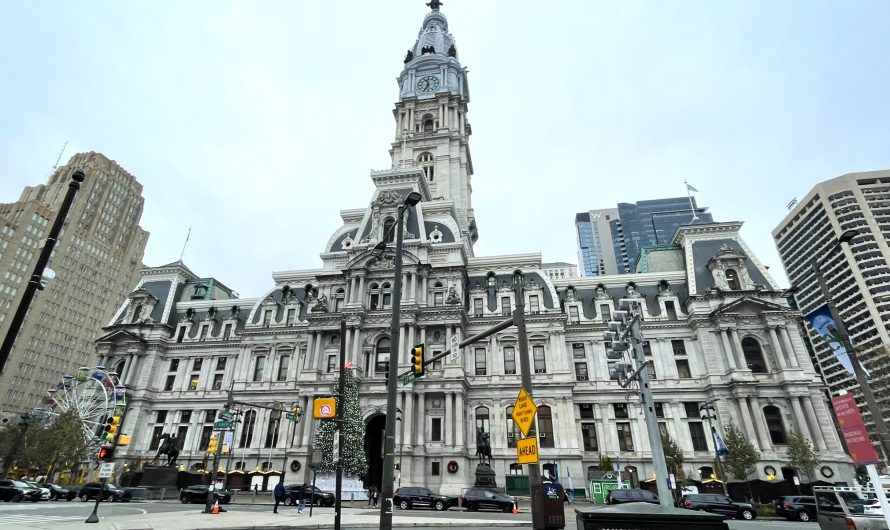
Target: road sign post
x: 524, y: 410
x: 106, y: 470
x: 455, y: 346
x: 527, y: 451
x: 224, y: 426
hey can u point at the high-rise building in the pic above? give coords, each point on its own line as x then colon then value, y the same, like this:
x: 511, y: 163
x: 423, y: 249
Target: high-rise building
x: 716, y: 329
x: 96, y: 261
x: 857, y: 273
x: 610, y: 240
x: 559, y: 270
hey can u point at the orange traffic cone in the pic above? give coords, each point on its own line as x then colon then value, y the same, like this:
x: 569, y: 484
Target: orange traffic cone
x: 215, y: 509
x: 515, y: 509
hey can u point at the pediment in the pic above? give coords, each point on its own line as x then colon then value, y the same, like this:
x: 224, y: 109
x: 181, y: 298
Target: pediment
x: 747, y: 306
x: 120, y: 336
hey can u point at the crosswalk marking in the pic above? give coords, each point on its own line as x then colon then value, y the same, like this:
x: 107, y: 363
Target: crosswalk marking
x: 17, y: 519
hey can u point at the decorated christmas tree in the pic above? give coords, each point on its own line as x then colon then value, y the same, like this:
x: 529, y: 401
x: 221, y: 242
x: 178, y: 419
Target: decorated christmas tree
x: 352, y: 441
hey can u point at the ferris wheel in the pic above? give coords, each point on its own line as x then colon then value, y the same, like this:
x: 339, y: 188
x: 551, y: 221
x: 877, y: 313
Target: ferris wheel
x: 93, y: 394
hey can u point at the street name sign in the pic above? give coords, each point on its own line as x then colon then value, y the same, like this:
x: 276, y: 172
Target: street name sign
x: 455, y: 346
x: 290, y: 416
x: 227, y: 415
x: 408, y: 379
x: 106, y: 469
x: 527, y: 451
x: 324, y: 408
x: 524, y: 411
x: 224, y: 426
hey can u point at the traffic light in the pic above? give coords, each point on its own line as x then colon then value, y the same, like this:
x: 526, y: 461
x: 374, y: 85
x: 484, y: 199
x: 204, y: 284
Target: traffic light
x: 417, y: 360
x: 111, y: 426
x: 106, y: 453
x: 211, y: 445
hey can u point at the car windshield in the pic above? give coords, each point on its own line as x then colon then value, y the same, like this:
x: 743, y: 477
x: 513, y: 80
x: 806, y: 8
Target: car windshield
x: 20, y: 484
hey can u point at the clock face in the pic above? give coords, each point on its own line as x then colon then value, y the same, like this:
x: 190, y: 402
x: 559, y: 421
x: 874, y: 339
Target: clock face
x: 427, y: 83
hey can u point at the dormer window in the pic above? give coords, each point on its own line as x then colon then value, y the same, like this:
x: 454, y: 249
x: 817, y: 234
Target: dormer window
x: 200, y: 292
x: 137, y: 313
x: 732, y: 280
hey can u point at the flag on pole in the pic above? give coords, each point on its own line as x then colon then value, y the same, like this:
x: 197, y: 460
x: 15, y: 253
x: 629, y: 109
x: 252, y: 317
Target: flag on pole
x: 719, y: 445
x: 691, y: 188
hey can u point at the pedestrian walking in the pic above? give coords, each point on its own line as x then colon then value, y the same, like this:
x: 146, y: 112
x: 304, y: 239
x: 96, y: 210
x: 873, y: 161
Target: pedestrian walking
x: 279, y: 494
x: 372, y: 493
x: 376, y: 495
x: 302, y: 493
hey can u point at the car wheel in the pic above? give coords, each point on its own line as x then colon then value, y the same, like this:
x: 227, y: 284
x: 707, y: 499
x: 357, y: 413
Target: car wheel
x: 405, y: 505
x: 471, y: 507
x: 17, y: 497
x: 183, y: 500
x: 803, y: 516
x: 747, y: 515
x: 508, y: 508
x: 288, y: 501
x: 701, y: 509
x: 83, y: 498
x: 440, y: 506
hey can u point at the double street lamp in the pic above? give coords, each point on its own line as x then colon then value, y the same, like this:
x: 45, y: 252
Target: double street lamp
x: 861, y: 378
x: 389, y: 446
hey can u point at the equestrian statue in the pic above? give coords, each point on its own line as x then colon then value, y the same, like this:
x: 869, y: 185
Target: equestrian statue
x: 168, y: 448
x: 483, y: 446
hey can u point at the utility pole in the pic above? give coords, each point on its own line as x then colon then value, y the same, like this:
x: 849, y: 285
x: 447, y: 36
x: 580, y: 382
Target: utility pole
x: 211, y: 491
x: 341, y: 390
x: 708, y: 414
x: 34, y: 284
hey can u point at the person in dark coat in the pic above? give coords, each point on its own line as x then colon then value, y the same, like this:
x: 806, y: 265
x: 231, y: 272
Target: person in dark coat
x: 279, y: 494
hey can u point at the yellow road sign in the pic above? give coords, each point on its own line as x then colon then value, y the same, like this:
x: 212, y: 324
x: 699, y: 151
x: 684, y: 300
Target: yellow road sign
x: 524, y: 411
x: 527, y: 451
x: 324, y: 408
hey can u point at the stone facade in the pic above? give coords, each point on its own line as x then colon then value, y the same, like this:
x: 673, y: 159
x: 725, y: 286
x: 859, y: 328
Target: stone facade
x: 282, y: 346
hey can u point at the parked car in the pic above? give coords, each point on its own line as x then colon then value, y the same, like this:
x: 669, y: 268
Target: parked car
x: 45, y: 493
x: 622, y: 496
x: 58, y: 492
x: 198, y: 494
x: 17, y: 491
x: 111, y: 492
x: 800, y: 507
x: 720, y: 504
x: 476, y: 498
x: 407, y: 498
x: 293, y: 493
x: 843, y: 508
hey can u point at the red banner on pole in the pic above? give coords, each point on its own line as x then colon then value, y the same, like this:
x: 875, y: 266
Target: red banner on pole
x: 853, y: 428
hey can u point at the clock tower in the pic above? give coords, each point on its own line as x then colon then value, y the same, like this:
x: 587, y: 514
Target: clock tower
x: 432, y: 130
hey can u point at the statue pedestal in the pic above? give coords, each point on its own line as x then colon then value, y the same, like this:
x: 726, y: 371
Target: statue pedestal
x: 485, y: 477
x: 159, y: 477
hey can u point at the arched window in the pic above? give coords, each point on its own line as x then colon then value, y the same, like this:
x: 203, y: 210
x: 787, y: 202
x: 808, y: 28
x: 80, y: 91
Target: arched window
x: 428, y: 123
x: 753, y: 355
x: 374, y: 302
x: 381, y: 363
x: 482, y: 419
x: 386, y: 291
x: 512, y: 431
x: 732, y: 280
x: 426, y: 163
x: 774, y: 425
x: 137, y: 313
x: 247, y: 428
x: 389, y: 233
x: 545, y: 426
x: 119, y: 367
x: 492, y: 280
x: 438, y: 294
x: 272, y: 434
x: 339, y: 300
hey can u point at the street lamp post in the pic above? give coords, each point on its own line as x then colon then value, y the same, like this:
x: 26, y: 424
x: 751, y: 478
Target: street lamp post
x: 709, y: 413
x: 861, y: 377
x: 34, y: 284
x: 386, y: 489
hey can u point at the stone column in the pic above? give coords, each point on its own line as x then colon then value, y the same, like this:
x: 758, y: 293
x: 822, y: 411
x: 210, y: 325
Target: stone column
x: 310, y: 350
x: 421, y: 418
x: 319, y: 349
x: 777, y: 350
x: 449, y: 419
x: 602, y: 425
x: 760, y: 425
x: 307, y: 424
x: 747, y: 422
x: 423, y: 289
x: 727, y: 349
x: 411, y: 336
x: 357, y: 346
x: 460, y: 420
x: 409, y: 421
x: 352, y: 289
x: 799, y: 419
x: 737, y: 345
x: 398, y: 355
x: 789, y: 348
x: 360, y: 295
x: 819, y: 435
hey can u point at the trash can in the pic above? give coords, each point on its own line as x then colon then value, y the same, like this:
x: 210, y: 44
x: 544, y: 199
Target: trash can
x: 645, y: 516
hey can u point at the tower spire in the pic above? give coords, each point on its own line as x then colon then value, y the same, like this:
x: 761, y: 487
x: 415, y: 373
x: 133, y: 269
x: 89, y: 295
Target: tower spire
x: 434, y: 4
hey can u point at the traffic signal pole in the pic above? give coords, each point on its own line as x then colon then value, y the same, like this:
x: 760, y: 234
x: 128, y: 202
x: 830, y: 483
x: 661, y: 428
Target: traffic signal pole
x: 94, y: 517
x: 208, y: 506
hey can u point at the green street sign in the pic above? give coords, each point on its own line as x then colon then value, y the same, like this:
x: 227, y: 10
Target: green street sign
x: 224, y: 426
x: 408, y: 379
x: 289, y: 416
x: 227, y: 415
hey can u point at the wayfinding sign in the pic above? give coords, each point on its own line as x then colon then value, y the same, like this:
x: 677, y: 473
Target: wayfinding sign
x: 324, y: 408
x: 524, y: 410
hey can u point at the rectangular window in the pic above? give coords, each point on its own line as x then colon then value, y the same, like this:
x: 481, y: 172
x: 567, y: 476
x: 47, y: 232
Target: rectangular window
x: 267, y: 318
x: 679, y: 347
x: 185, y: 416
x: 697, y: 432
x: 436, y: 430
x: 683, y: 371
x: 193, y: 382
x: 663, y: 429
x: 509, y: 360
x: 578, y: 351
x: 283, y: 365
x: 197, y: 364
x: 573, y: 315
x: 647, y: 348
x: 533, y: 304
x: 620, y: 410
x: 174, y: 365
x: 156, y: 437
x: 438, y: 298
x: 652, y: 374
x: 217, y: 381
x: 625, y: 437
x: 691, y: 409
x: 171, y: 380
x: 659, y: 409
x: 477, y: 307
x: 480, y: 361
x: 221, y: 363
x: 209, y: 415
x: 585, y: 410
x: 540, y: 362
x: 161, y: 416
x: 181, y: 433
x: 437, y: 365
x: 180, y: 334
x: 206, y: 433
x: 332, y: 363
x: 435, y: 470
x: 605, y: 312
x: 272, y: 434
x: 588, y: 434
x: 581, y: 372
x: 259, y: 367
x: 506, y: 306
x: 671, y: 310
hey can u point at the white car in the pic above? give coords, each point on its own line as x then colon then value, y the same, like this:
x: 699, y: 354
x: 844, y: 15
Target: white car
x: 45, y: 494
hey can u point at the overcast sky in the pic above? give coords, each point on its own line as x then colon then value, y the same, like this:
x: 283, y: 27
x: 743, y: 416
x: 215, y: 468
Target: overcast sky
x: 256, y: 122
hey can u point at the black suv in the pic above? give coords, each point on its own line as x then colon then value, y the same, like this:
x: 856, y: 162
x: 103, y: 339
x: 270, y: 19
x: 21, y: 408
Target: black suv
x: 407, y: 498
x: 801, y: 507
x: 113, y: 493
x: 622, y: 496
x: 57, y: 492
x: 198, y: 494
x: 720, y: 504
x: 16, y: 490
x: 476, y: 498
x: 293, y: 493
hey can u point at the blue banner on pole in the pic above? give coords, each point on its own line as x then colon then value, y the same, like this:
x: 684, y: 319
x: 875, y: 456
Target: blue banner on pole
x: 719, y: 445
x: 825, y: 326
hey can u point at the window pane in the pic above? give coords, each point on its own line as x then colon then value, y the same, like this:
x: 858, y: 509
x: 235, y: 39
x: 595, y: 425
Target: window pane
x: 540, y: 364
x: 436, y: 431
x: 573, y: 315
x: 683, y: 371
x: 259, y: 368
x: 533, y: 303
x: 283, y: 365
x: 545, y: 426
x: 588, y: 434
x: 477, y: 306
x: 697, y: 432
x: 625, y: 437
x: 586, y: 410
x: 505, y: 305
x: 620, y: 410
x: 480, y: 361
x: 581, y: 371
x: 679, y: 347
x: 691, y: 409
x: 578, y: 351
x: 509, y: 360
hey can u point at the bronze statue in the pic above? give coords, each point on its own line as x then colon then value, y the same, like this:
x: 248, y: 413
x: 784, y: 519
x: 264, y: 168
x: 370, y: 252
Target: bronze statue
x: 409, y: 56
x: 483, y: 446
x: 168, y: 448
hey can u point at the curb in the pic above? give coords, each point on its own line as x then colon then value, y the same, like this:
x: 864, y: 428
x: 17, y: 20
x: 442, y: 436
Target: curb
x: 505, y: 524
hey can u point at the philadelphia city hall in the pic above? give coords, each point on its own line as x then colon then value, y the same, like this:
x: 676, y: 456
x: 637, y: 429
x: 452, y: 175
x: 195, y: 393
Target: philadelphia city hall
x: 716, y: 326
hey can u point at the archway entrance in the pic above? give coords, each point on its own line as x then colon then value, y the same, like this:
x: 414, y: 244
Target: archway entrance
x: 375, y: 433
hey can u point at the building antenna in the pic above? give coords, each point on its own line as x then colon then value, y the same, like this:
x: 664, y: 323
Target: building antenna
x: 181, y: 254
x: 59, y: 158
x: 689, y: 190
